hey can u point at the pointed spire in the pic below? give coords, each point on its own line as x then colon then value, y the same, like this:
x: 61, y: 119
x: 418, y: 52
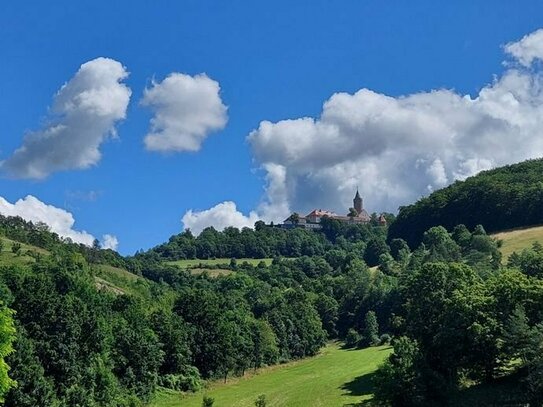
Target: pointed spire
x: 357, y: 202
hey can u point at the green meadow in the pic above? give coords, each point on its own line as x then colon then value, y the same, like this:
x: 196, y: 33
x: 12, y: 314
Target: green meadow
x: 335, y: 377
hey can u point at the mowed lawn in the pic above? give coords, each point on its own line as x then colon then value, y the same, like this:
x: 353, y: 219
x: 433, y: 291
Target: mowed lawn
x: 214, y: 262
x: 336, y: 377
x: 518, y: 239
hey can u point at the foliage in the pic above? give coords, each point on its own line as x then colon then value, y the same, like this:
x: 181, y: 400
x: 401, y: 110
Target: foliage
x: 399, y: 382
x: 265, y: 242
x: 261, y: 401
x: 370, y: 334
x: 499, y: 199
x: 208, y: 401
x: 7, y: 335
x: 353, y: 338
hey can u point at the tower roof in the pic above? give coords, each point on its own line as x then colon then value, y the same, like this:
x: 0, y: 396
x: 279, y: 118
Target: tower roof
x: 357, y: 196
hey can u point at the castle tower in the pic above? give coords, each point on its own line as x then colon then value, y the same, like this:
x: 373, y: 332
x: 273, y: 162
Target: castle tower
x: 357, y: 202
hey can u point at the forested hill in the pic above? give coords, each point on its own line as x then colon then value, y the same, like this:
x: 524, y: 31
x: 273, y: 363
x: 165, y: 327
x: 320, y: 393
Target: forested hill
x: 499, y: 199
x: 265, y: 241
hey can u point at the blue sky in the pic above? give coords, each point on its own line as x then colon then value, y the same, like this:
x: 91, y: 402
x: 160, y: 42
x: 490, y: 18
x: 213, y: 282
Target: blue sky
x: 272, y: 60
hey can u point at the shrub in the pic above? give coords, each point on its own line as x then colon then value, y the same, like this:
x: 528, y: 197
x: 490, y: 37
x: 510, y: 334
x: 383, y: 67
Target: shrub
x: 353, y: 338
x: 261, y: 401
x: 384, y: 339
x: 208, y: 401
x: 16, y: 248
x: 182, y: 382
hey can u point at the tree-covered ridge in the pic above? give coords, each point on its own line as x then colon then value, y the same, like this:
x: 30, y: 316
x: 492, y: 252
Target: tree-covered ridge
x: 266, y: 241
x: 499, y: 199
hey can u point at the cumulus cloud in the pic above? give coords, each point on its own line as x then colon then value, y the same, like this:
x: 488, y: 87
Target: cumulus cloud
x: 83, y: 115
x: 220, y: 216
x: 186, y: 110
x: 110, y: 242
x: 397, y: 149
x: 528, y: 49
x: 59, y: 221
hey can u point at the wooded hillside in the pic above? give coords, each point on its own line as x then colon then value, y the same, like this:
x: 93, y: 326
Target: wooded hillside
x: 499, y: 199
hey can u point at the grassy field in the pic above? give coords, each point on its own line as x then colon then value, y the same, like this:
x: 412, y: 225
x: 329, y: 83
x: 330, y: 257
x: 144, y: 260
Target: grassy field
x: 213, y: 262
x: 518, y: 239
x: 336, y: 377
x: 7, y: 257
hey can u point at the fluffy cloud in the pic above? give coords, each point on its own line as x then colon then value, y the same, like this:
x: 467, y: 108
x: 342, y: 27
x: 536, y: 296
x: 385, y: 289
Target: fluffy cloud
x: 220, y: 216
x: 58, y: 220
x: 186, y: 110
x: 83, y: 115
x: 397, y: 149
x: 110, y: 242
x: 528, y: 49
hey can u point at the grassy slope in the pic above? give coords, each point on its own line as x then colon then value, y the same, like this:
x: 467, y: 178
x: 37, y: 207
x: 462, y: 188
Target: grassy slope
x: 518, y: 239
x: 7, y: 257
x: 213, y: 262
x: 336, y: 377
x: 109, y: 278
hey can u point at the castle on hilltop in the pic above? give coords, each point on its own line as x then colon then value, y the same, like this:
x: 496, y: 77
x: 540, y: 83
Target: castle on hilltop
x: 357, y: 215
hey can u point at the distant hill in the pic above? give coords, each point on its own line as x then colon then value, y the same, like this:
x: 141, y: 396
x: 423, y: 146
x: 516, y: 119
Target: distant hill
x: 504, y: 198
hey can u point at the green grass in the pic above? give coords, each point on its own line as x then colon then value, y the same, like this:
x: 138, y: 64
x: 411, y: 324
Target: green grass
x: 7, y: 257
x: 518, y: 239
x: 211, y: 272
x: 214, y: 262
x: 121, y: 281
x: 336, y: 377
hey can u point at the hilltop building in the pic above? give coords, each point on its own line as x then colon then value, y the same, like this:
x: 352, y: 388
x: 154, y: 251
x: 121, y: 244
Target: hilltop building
x: 357, y: 215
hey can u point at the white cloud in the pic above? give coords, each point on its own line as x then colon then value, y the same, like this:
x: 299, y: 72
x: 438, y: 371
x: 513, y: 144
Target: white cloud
x: 220, y: 216
x: 110, y: 242
x: 396, y: 149
x: 528, y: 49
x: 59, y: 221
x: 186, y: 110
x: 83, y: 115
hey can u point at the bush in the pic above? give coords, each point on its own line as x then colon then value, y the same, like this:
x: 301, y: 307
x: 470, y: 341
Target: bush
x: 353, y: 338
x: 208, y: 401
x: 190, y: 381
x: 384, y: 339
x: 261, y: 401
x: 16, y: 248
x: 371, y: 329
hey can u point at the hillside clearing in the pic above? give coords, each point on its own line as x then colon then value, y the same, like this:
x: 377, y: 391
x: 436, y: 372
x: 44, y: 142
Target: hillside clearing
x: 7, y: 257
x: 517, y: 239
x: 211, y: 272
x: 201, y: 263
x: 335, y: 377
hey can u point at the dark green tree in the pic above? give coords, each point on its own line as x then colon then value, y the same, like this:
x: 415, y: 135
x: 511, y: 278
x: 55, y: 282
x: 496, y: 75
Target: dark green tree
x: 370, y: 334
